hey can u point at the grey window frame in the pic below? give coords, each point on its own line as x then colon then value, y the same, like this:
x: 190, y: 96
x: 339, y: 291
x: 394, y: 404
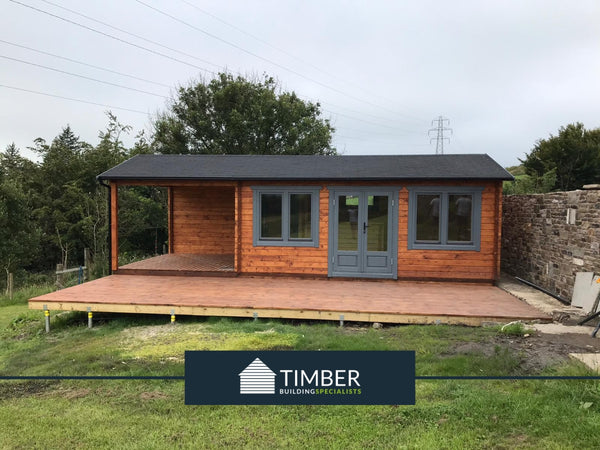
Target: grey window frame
x: 444, y: 192
x: 285, y: 240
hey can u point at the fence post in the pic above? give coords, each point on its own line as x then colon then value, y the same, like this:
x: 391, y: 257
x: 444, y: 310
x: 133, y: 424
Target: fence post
x: 9, y: 286
x: 87, y: 260
x: 59, y: 276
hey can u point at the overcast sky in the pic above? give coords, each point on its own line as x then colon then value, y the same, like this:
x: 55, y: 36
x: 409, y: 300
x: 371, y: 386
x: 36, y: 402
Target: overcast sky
x: 504, y: 73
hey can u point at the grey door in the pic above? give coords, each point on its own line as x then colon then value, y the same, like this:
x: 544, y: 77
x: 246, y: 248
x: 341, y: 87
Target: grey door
x: 363, y: 239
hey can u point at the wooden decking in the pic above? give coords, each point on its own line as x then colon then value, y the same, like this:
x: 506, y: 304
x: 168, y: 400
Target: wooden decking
x: 185, y: 264
x: 327, y: 299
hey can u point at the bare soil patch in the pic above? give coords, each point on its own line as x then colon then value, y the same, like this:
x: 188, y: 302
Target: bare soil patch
x: 17, y: 389
x: 153, y: 395
x: 536, y: 351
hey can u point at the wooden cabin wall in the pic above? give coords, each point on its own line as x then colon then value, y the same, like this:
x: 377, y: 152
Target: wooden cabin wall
x: 282, y: 260
x: 480, y: 265
x: 203, y: 219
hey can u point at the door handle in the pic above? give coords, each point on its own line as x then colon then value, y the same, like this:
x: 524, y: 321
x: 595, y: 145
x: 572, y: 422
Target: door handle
x: 365, y: 226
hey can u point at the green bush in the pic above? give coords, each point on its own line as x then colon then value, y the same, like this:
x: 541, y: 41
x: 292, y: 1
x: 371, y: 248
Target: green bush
x: 515, y: 329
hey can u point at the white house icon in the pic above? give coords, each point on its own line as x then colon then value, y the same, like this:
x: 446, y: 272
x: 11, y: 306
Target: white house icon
x: 257, y: 378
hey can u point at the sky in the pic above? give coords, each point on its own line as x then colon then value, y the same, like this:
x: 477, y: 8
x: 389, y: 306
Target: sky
x: 504, y: 73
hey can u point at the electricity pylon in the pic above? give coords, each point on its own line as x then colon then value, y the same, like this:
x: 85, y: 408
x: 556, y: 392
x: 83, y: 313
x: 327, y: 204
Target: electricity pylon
x: 439, y: 139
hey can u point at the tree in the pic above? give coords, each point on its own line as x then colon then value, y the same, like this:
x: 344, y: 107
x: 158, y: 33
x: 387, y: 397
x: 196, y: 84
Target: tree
x: 530, y: 184
x: 231, y: 115
x: 19, y: 235
x: 13, y: 166
x: 574, y: 155
x: 58, y: 196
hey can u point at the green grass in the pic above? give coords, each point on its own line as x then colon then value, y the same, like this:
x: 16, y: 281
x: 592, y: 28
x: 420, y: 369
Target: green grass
x: 152, y: 414
x: 20, y: 296
x: 515, y: 329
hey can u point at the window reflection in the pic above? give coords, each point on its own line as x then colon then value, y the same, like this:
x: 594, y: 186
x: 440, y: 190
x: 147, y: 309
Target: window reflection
x: 270, y: 216
x: 377, y: 236
x: 348, y: 222
x: 459, y: 218
x: 300, y: 220
x: 428, y: 217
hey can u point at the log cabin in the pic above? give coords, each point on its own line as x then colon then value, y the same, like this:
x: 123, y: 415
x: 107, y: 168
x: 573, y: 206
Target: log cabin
x: 408, y: 217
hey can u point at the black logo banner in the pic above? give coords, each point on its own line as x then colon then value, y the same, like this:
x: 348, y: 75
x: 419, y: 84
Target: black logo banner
x: 300, y: 378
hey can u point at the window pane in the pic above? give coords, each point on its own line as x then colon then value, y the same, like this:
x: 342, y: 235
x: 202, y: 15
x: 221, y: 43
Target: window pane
x: 428, y: 217
x: 378, y: 223
x: 348, y: 223
x: 270, y: 216
x: 300, y: 205
x: 459, y: 218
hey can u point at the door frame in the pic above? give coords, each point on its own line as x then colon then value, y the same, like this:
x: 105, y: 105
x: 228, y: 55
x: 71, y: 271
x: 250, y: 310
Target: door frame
x: 334, y: 191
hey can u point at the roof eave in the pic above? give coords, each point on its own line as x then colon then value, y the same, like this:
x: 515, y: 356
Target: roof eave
x: 124, y: 178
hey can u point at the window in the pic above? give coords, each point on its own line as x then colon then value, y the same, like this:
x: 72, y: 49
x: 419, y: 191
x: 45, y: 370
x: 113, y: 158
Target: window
x: 445, y: 218
x: 286, y: 216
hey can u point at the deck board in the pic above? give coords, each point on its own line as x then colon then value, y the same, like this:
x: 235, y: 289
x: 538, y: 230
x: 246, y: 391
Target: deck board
x: 381, y: 300
x: 181, y: 263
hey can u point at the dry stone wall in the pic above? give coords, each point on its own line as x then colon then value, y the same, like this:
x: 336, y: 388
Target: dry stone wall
x: 548, y: 238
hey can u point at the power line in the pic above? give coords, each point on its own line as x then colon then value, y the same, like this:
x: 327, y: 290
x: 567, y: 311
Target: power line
x: 83, y: 76
x: 303, y: 61
x: 134, y: 45
x: 130, y: 76
x: 113, y: 37
x: 142, y: 91
x: 440, y: 129
x: 72, y: 99
x: 268, y: 44
x: 145, y: 48
x: 281, y: 66
x: 146, y: 92
x: 363, y: 120
x: 85, y: 64
x: 203, y: 11
x: 353, y: 111
x: 131, y: 34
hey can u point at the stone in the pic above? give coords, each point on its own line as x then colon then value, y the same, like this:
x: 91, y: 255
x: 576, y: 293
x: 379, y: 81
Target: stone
x: 536, y: 237
x: 560, y: 316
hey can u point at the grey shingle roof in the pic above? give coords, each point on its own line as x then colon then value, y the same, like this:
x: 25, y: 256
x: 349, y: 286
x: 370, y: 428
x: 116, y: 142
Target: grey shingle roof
x: 307, y: 167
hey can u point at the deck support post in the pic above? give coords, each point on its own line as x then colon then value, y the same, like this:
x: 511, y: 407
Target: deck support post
x: 47, y: 318
x: 114, y: 227
x: 341, y: 320
x: 90, y: 315
x: 172, y: 317
x: 255, y: 315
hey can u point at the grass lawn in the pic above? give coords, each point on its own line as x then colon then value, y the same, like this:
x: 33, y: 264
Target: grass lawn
x: 152, y: 414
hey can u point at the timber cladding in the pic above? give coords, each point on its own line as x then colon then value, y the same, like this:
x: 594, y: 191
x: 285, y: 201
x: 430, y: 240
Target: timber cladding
x: 479, y: 265
x: 284, y: 260
x: 203, y: 219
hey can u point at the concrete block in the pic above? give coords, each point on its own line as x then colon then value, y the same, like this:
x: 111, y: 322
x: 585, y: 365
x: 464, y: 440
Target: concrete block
x: 592, y: 360
x: 585, y: 291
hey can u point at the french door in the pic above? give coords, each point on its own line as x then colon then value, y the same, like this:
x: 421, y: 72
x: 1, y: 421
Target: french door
x: 363, y: 233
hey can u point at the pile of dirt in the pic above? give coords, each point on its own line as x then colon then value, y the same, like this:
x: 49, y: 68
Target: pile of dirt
x: 536, y: 351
